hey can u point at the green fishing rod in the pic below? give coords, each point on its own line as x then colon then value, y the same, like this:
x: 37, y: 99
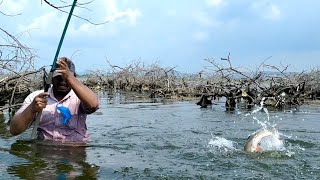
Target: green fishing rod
x: 53, y: 68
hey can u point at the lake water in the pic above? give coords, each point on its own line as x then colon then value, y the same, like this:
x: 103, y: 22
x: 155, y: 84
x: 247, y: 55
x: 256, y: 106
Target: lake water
x: 140, y: 138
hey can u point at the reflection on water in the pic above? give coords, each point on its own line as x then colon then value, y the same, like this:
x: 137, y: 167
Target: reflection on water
x: 4, y: 127
x: 49, y: 161
x: 29, y: 159
x: 141, y: 138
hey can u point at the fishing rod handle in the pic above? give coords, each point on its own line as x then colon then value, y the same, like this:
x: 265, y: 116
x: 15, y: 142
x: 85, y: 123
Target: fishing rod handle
x: 36, y: 124
x: 46, y: 87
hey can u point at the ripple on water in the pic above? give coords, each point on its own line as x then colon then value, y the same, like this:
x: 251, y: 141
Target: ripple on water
x: 301, y: 143
x: 173, y: 141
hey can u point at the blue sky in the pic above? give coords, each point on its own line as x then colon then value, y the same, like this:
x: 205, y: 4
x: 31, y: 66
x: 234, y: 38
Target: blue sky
x: 173, y: 33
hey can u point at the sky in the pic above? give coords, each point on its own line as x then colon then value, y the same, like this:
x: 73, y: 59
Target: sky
x: 171, y: 33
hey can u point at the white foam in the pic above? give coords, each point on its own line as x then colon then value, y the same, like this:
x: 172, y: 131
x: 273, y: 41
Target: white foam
x: 272, y: 143
x: 221, y: 144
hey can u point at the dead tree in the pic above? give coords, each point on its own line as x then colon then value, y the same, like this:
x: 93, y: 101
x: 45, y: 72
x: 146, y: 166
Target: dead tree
x: 204, y: 101
x: 279, y: 89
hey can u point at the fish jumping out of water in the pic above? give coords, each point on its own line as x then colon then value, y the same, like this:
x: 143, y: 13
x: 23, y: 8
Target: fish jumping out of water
x: 253, y: 142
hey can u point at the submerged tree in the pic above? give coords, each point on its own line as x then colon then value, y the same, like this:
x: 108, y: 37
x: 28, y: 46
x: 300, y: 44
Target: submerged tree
x: 268, y: 84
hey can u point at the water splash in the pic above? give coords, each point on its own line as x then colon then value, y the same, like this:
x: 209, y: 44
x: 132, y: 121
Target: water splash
x: 272, y: 143
x: 221, y: 144
x: 259, y: 109
x: 265, y: 124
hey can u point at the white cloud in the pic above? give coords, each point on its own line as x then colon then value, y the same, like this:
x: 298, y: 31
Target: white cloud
x: 90, y: 30
x: 51, y: 23
x: 205, y: 20
x: 200, y: 36
x: 45, y: 24
x: 266, y: 10
x: 113, y: 13
x: 129, y: 16
x: 110, y: 6
x: 216, y: 3
x: 13, y: 7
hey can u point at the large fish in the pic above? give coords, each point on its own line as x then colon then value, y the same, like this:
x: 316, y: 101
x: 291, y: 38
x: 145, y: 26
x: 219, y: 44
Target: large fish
x: 253, y: 142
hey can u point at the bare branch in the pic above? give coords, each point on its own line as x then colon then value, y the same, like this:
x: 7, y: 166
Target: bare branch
x: 9, y: 14
x: 5, y: 14
x: 228, y: 59
x: 78, y: 5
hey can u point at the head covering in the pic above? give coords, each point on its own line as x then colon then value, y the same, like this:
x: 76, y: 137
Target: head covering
x: 71, y: 67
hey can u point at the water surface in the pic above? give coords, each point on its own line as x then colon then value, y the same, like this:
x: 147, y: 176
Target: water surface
x: 141, y: 138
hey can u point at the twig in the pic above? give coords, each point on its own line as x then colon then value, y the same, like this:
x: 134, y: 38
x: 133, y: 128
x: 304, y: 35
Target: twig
x: 85, y: 19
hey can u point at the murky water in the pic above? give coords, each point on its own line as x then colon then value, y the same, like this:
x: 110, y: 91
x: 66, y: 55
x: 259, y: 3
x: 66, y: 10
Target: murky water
x: 134, y: 138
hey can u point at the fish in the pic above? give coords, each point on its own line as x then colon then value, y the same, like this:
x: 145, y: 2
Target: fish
x: 252, y: 144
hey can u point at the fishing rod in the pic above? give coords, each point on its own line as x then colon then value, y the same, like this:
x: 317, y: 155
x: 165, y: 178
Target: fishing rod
x: 53, y: 68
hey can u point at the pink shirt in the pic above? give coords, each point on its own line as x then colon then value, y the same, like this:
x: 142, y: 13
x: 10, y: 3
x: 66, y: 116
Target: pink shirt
x: 51, y: 126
